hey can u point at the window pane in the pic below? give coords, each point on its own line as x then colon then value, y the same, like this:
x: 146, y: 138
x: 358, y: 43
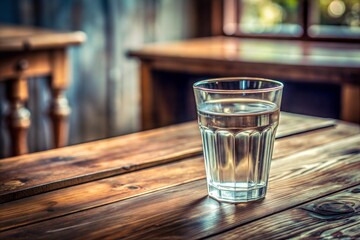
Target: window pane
x: 270, y: 17
x: 335, y: 18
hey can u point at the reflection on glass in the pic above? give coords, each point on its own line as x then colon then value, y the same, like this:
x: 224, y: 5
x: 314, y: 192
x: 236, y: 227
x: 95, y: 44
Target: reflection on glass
x: 331, y: 18
x: 279, y: 17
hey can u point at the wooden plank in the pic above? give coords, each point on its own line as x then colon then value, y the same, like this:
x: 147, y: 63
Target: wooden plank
x: 290, y: 145
x: 185, y: 211
x: 295, y: 123
x: 16, y: 38
x: 235, y: 50
x: 339, y: 219
x: 40, y: 172
x: 305, y: 74
x: 105, y: 191
x: 93, y: 194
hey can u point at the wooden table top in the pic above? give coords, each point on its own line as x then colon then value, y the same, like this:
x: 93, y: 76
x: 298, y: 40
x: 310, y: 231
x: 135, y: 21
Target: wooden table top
x: 151, y: 185
x: 19, y: 38
x: 232, y: 50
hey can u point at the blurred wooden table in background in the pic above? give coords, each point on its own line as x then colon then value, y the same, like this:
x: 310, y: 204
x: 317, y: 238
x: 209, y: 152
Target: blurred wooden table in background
x: 151, y: 185
x: 29, y: 52
x: 296, y: 61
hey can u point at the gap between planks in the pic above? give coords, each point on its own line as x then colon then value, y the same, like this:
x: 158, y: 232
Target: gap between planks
x: 214, y: 235
x: 343, y: 154
x: 326, y: 151
x: 232, y: 232
x: 292, y: 124
x: 291, y: 144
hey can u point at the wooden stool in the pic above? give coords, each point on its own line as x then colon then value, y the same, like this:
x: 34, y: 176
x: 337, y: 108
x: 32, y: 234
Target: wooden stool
x: 28, y: 52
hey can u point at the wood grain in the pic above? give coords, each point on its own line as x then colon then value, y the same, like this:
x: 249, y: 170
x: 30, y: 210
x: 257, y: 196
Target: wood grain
x: 16, y: 38
x: 18, y: 116
x: 339, y: 221
x: 295, y: 123
x: 94, y: 194
x: 294, y: 180
x: 59, y: 107
x: 307, y: 74
x: 258, y: 52
x: 77, y: 164
x: 184, y: 211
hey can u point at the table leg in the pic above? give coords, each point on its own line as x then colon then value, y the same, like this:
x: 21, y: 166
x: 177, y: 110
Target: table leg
x: 59, y: 108
x: 350, y: 103
x: 147, y: 96
x: 19, y: 115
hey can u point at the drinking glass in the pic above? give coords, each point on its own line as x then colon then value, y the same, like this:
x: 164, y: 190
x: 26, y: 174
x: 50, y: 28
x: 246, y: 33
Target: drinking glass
x: 238, y: 118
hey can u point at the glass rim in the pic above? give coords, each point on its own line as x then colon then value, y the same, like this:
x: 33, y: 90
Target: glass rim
x: 229, y: 79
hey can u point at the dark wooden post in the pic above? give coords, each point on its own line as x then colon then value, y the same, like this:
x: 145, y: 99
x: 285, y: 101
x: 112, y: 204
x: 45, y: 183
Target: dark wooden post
x: 147, y: 96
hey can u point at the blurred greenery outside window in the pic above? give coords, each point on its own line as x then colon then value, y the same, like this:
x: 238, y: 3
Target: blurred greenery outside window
x: 323, y: 18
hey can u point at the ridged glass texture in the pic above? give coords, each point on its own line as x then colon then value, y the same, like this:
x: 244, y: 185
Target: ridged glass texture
x: 238, y: 144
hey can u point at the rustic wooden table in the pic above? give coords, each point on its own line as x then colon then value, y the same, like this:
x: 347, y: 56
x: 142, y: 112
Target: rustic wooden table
x: 293, y: 61
x: 151, y: 185
x: 31, y: 52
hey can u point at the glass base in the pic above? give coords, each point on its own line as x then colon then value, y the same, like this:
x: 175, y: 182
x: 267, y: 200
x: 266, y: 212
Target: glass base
x: 236, y: 196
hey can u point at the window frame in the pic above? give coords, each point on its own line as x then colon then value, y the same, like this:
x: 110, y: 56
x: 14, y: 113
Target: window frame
x: 305, y: 6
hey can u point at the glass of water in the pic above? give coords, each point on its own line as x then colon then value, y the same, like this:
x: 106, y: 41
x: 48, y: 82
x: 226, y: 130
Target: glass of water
x: 238, y: 118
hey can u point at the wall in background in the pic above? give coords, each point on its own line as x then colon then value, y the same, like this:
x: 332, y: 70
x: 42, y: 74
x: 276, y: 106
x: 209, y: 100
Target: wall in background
x: 104, y: 94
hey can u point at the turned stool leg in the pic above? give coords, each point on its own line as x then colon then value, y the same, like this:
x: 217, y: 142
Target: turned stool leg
x: 19, y: 116
x: 59, y: 112
x: 59, y: 108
